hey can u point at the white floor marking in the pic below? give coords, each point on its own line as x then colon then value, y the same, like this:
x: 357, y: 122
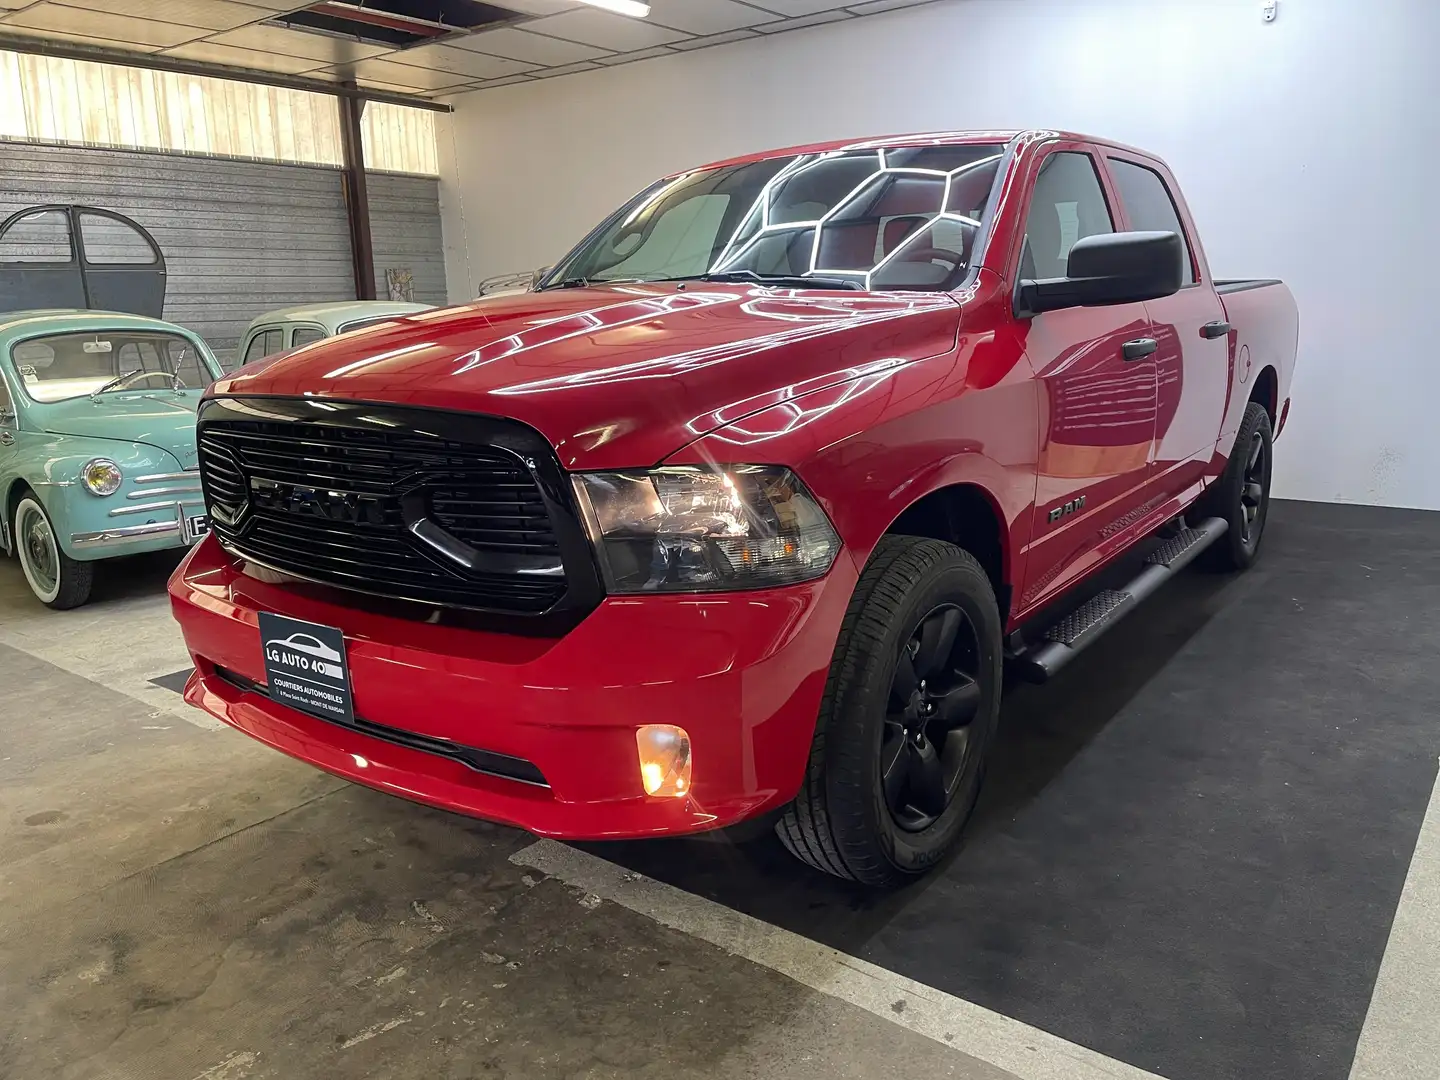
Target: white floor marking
x: 1029, y: 1053
x: 1401, y: 1036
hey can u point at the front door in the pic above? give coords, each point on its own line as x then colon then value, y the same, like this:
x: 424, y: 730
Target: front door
x: 1193, y: 359
x: 1097, y: 376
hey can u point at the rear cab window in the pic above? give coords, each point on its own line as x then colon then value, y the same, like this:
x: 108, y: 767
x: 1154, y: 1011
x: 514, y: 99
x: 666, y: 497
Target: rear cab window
x: 1150, y: 206
x: 305, y: 335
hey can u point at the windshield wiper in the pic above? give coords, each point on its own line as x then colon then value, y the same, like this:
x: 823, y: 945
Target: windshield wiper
x: 585, y: 283
x: 119, y: 380
x: 801, y: 281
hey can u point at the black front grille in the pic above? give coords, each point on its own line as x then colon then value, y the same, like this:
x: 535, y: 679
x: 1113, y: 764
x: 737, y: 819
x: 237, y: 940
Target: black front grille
x: 439, y: 508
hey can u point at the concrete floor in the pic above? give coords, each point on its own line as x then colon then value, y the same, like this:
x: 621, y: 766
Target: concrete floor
x: 178, y: 902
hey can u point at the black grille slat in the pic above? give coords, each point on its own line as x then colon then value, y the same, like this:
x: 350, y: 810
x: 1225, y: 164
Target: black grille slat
x: 481, y: 494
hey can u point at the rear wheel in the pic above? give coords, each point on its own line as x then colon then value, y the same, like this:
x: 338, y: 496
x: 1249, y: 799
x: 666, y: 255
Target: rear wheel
x: 1242, y: 494
x: 54, y: 577
x: 907, y: 720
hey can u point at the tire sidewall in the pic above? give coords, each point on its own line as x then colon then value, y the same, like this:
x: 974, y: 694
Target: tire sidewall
x: 1256, y: 420
x: 23, y: 551
x: 964, y: 585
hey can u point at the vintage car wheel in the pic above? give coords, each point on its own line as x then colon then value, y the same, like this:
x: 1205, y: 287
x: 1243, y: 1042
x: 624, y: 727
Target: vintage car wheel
x: 54, y: 577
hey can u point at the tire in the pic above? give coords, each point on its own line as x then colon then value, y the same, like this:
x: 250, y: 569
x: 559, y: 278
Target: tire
x: 56, y: 579
x: 1242, y: 495
x: 848, y: 819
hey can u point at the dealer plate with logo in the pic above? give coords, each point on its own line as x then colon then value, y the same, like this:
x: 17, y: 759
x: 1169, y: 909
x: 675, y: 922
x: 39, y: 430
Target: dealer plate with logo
x: 305, y: 666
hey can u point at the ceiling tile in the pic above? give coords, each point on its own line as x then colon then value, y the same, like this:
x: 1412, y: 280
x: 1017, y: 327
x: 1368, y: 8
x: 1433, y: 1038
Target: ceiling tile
x: 322, y: 48
x: 209, y: 52
x: 568, y: 69
x: 414, y: 78
x: 511, y: 81
x: 537, y: 7
x: 716, y: 39
x: 795, y: 8
x: 521, y: 45
x: 461, y: 62
x: 643, y: 54
x: 874, y: 7
x: 74, y: 39
x: 205, y: 14
x: 706, y: 16
x: 591, y: 26
x: 120, y: 30
x: 819, y: 18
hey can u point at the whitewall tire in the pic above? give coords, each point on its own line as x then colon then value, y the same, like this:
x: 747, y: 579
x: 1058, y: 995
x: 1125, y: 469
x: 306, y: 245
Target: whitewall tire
x: 54, y: 577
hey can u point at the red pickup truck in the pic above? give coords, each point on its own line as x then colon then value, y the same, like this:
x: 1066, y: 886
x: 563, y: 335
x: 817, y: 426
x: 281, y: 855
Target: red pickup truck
x: 743, y: 509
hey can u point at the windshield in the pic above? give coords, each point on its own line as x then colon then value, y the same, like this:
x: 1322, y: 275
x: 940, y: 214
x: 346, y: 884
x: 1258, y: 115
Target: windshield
x: 896, y: 218
x: 64, y: 366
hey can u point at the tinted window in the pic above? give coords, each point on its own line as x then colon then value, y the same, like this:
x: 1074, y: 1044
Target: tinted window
x: 37, y: 238
x: 305, y: 335
x: 1148, y: 203
x: 109, y: 242
x: 1068, y: 205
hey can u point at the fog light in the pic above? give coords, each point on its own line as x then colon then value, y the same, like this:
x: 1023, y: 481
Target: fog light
x: 664, y: 759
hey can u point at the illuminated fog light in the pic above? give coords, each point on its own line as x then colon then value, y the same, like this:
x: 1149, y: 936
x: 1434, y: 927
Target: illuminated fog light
x: 664, y: 760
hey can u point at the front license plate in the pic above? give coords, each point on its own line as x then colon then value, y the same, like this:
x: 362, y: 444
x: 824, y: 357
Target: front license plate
x: 196, y: 526
x: 305, y: 666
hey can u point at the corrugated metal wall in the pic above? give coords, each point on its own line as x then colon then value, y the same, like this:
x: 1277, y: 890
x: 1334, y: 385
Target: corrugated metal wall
x: 240, y: 237
x: 405, y: 228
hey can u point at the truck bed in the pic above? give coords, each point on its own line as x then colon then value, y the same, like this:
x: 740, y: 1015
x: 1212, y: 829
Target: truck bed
x: 1266, y: 324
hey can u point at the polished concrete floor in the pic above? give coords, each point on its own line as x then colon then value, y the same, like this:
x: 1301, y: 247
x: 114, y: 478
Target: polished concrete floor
x: 177, y: 902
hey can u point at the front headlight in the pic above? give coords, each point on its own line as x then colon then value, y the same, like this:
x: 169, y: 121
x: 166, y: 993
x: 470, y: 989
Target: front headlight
x: 701, y: 529
x: 101, y: 476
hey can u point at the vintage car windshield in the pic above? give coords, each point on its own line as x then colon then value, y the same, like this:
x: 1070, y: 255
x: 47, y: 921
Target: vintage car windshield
x: 71, y: 365
x: 893, y: 218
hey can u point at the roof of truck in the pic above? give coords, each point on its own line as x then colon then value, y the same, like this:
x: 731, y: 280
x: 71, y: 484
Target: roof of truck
x: 919, y: 138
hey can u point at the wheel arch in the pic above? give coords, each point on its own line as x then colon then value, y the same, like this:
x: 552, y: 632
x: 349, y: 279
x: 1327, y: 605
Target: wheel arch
x: 968, y: 516
x: 9, y: 502
x: 1266, y: 392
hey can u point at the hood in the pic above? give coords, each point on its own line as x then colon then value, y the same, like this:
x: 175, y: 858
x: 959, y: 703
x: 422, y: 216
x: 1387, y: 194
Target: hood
x: 163, y: 420
x: 620, y: 376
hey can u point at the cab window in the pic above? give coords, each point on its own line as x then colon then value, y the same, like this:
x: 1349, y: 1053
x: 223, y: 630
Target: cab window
x: 1068, y: 205
x: 263, y: 344
x: 305, y: 335
x: 1150, y: 205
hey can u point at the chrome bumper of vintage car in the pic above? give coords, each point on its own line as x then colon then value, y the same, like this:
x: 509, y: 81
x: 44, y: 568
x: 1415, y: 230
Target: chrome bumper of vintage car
x: 160, y: 494
x: 127, y: 534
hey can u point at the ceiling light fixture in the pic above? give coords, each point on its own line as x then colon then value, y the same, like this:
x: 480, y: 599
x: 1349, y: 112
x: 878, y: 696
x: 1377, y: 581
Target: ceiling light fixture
x: 634, y: 8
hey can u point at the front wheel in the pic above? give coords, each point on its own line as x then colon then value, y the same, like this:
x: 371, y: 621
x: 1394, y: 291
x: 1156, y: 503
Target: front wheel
x: 54, y: 577
x: 907, y: 720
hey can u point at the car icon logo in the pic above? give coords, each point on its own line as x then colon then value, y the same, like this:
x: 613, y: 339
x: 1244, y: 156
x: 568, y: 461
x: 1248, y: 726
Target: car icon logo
x: 305, y: 652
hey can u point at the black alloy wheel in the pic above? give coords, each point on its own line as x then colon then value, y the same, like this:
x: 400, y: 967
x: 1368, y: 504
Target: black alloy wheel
x: 1242, y: 494
x: 910, y: 709
x: 934, y: 698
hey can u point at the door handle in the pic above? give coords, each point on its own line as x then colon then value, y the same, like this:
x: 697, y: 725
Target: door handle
x: 1218, y: 328
x: 6, y: 438
x: 1140, y: 347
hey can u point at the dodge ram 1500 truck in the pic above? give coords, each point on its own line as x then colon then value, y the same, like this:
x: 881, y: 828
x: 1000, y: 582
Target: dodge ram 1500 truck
x: 743, y: 509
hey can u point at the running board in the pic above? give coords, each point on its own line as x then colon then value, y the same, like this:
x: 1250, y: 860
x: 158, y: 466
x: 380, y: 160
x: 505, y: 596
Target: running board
x: 1066, y: 639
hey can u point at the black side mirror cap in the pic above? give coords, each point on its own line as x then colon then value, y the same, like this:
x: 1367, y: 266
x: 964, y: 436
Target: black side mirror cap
x: 1112, y: 268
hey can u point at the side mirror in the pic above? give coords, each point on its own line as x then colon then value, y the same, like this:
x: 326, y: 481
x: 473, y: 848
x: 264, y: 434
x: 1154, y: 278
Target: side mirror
x: 1113, y: 268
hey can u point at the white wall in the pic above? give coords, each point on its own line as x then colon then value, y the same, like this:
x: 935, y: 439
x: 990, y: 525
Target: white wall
x: 1307, y: 149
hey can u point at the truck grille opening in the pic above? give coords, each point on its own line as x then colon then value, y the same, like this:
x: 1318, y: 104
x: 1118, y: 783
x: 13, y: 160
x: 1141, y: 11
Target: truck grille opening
x: 392, y: 502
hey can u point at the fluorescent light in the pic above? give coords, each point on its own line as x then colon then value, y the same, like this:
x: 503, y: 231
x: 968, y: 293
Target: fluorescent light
x: 634, y: 8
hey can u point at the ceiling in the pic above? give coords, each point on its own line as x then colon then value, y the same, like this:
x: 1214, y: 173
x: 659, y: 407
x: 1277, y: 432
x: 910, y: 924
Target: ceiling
x: 517, y: 41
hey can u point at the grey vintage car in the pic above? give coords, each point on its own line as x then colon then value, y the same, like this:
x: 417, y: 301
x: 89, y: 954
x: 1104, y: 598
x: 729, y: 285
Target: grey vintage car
x: 289, y: 328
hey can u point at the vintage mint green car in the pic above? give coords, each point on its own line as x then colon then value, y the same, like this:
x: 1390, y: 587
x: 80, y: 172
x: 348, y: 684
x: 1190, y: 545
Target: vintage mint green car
x: 97, y: 442
x: 289, y: 328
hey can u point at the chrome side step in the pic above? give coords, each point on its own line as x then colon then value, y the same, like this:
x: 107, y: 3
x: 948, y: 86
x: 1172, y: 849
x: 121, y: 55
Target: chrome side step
x: 1064, y: 641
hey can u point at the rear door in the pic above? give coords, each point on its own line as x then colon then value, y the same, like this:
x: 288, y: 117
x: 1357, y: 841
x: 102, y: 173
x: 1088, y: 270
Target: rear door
x: 1193, y: 358
x: 1098, y: 406
x: 124, y: 270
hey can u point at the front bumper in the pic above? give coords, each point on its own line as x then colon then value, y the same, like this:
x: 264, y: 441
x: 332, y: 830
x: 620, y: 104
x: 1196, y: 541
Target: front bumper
x: 742, y: 673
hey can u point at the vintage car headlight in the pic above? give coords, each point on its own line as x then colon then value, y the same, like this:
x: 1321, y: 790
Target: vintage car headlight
x: 701, y: 528
x: 101, y: 476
